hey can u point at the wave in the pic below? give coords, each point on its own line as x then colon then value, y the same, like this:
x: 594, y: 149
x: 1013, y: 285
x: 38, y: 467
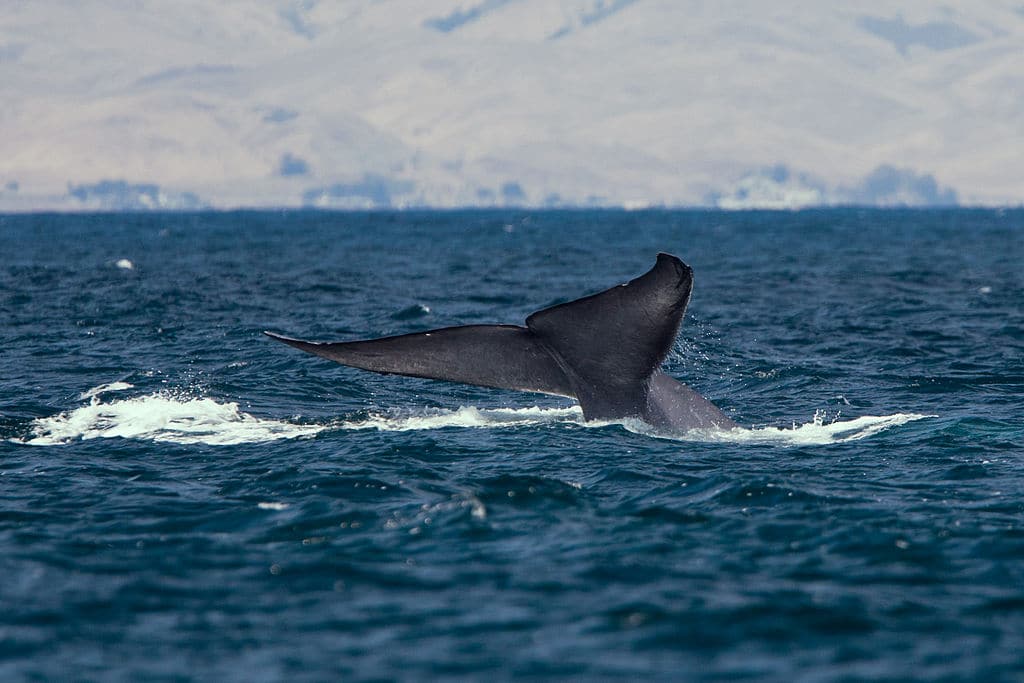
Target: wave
x: 170, y: 418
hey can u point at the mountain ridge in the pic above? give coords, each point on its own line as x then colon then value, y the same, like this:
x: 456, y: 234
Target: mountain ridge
x: 575, y: 103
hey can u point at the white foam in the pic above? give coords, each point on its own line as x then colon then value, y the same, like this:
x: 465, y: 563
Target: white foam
x: 814, y: 433
x: 124, y: 264
x: 104, y: 388
x: 164, y: 418
x: 467, y: 417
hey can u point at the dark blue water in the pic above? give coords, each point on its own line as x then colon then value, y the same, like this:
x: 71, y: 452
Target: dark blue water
x: 183, y: 498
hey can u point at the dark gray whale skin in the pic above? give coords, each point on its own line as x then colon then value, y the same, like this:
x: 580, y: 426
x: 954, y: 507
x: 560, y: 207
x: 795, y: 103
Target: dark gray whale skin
x: 604, y: 350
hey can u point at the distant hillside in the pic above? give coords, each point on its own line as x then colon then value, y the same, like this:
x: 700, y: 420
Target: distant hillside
x: 371, y: 103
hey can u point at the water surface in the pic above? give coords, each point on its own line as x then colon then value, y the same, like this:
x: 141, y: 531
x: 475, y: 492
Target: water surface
x: 184, y: 498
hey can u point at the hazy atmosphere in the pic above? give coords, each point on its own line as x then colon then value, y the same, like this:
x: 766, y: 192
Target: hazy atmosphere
x: 539, y: 103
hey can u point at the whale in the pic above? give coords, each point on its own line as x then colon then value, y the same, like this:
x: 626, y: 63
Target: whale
x: 604, y: 350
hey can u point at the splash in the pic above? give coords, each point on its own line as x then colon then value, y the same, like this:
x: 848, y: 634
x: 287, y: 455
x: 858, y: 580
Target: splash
x: 814, y: 433
x: 161, y: 417
x: 104, y: 388
x: 170, y: 418
x: 468, y: 417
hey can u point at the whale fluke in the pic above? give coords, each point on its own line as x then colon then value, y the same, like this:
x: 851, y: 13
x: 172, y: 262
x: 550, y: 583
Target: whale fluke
x: 604, y: 350
x: 498, y: 356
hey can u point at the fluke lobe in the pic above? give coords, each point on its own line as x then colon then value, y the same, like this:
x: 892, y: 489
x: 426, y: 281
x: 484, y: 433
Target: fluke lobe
x: 604, y: 350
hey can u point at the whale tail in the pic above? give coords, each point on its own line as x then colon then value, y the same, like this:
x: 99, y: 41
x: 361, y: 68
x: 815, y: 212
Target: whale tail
x: 604, y: 350
x: 498, y: 356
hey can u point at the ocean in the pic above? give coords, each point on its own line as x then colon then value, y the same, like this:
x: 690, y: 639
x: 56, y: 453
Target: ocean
x: 182, y: 498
